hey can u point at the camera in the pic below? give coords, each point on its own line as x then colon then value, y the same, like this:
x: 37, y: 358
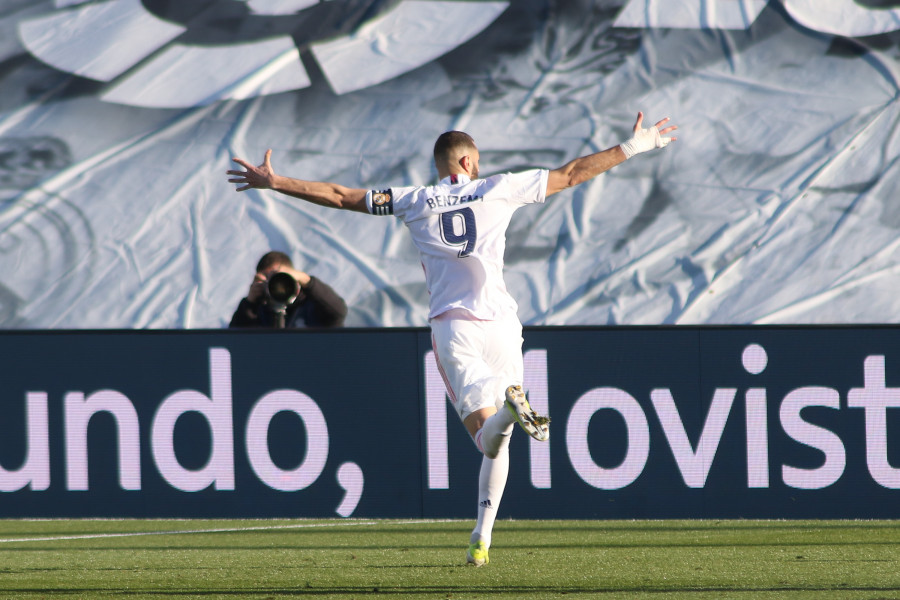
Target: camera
x: 281, y: 289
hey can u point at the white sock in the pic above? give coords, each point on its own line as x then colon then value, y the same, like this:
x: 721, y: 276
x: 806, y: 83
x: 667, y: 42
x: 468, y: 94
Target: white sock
x: 491, y: 483
x: 496, y: 429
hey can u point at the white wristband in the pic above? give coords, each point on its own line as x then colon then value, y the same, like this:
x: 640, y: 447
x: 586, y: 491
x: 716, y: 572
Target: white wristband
x: 644, y: 140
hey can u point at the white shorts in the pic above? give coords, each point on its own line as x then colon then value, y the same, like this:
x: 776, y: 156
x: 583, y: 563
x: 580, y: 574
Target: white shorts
x: 478, y: 360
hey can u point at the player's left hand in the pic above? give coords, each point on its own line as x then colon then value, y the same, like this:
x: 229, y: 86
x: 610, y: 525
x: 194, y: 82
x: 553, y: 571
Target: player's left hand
x: 260, y: 177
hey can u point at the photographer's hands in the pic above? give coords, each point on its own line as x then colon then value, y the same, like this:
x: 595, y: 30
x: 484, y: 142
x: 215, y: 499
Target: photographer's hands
x: 301, y: 277
x: 257, y: 289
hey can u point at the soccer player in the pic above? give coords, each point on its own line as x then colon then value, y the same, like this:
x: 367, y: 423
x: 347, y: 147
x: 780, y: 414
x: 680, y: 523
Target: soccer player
x: 459, y: 227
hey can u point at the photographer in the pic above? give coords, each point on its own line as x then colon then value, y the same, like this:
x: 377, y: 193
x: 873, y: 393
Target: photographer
x: 276, y: 301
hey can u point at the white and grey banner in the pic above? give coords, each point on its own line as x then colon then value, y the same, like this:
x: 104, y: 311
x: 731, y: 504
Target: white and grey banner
x: 119, y: 118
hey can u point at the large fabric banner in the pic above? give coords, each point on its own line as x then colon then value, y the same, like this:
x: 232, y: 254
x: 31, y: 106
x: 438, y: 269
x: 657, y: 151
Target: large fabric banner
x: 119, y: 118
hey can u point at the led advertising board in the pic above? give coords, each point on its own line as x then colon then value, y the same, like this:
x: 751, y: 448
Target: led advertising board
x: 647, y: 422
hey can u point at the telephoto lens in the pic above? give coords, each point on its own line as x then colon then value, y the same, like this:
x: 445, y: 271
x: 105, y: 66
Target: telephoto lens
x: 282, y: 288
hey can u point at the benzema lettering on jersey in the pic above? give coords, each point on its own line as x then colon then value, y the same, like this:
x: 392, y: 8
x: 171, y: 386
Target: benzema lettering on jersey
x: 438, y: 201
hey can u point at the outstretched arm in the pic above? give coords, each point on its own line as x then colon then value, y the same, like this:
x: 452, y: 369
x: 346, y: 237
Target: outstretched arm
x: 322, y: 193
x: 587, y: 167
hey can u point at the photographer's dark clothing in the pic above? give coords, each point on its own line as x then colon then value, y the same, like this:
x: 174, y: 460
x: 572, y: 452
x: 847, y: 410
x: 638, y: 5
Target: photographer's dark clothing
x: 317, y: 306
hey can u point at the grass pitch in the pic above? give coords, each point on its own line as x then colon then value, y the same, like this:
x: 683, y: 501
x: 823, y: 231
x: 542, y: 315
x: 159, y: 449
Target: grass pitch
x: 414, y: 560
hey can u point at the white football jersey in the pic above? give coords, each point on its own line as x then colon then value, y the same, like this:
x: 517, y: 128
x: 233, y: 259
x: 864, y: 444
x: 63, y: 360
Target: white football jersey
x: 459, y: 227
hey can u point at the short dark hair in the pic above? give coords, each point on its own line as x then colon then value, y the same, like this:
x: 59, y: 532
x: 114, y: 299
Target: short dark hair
x: 273, y: 258
x: 450, y: 141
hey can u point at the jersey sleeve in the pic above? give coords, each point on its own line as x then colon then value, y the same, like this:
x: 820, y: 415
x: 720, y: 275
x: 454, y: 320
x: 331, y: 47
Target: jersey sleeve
x: 528, y: 187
